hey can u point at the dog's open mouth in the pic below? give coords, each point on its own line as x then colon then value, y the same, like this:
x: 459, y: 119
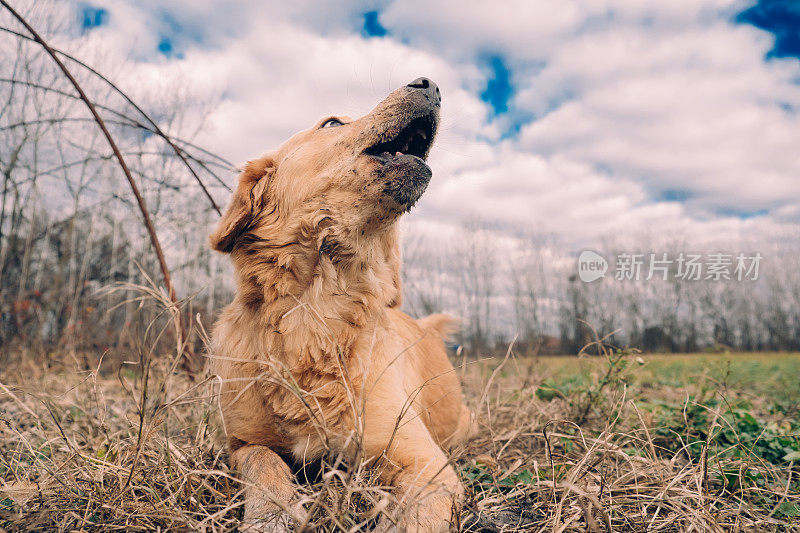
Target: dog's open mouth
x: 414, y: 139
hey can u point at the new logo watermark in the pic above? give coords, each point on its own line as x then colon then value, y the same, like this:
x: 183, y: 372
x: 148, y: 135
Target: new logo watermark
x: 681, y: 266
x: 591, y: 266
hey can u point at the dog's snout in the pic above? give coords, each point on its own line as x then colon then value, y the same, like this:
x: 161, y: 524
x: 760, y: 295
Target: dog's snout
x: 430, y: 89
x: 421, y: 83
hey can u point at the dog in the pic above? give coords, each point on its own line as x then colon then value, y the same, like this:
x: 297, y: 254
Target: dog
x: 314, y: 355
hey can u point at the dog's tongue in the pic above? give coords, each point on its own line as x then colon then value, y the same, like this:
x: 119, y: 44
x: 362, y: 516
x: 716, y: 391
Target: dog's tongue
x: 398, y: 154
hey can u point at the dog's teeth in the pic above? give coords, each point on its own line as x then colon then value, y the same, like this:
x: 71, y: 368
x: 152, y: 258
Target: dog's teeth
x: 397, y: 154
x: 386, y: 154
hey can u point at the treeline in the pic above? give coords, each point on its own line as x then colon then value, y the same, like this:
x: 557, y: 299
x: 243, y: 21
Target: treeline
x: 56, y: 275
x: 77, y: 283
x: 511, y: 284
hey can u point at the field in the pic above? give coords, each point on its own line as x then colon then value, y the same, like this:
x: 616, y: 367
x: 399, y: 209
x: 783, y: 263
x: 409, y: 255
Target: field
x: 611, y: 442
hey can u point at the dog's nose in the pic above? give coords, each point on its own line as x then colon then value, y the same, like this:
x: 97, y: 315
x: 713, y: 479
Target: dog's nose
x: 430, y: 89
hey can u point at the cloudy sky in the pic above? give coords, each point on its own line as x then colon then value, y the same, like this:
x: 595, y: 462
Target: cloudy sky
x: 580, y: 118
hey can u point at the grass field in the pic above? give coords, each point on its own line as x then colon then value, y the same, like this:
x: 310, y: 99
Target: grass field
x: 618, y: 442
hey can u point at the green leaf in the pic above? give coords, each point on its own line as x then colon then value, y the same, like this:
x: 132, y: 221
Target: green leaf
x: 789, y: 510
x: 792, y: 456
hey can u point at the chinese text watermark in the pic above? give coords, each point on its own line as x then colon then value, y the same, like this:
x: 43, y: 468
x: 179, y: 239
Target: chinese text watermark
x: 681, y: 266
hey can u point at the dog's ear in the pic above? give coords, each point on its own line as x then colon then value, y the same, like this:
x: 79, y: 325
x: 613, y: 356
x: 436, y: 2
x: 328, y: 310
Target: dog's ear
x: 247, y: 201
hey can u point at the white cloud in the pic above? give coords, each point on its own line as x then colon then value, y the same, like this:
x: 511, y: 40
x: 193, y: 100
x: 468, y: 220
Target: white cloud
x: 630, y: 99
x: 695, y: 109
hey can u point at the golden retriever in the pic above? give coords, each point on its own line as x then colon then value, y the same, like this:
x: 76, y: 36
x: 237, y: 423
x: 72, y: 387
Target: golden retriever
x: 314, y: 354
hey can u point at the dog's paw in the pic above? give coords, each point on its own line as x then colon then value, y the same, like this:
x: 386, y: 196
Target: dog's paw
x: 385, y: 526
x: 275, y: 523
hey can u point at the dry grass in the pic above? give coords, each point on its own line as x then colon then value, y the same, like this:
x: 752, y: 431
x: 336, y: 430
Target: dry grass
x: 592, y: 444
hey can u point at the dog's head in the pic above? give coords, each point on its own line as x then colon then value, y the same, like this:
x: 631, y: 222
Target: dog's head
x: 338, y: 182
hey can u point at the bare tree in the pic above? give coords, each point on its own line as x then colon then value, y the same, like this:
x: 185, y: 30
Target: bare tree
x: 475, y: 256
x: 528, y: 287
x: 91, y: 186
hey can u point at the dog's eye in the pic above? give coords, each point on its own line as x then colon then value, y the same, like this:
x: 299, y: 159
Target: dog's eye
x: 332, y: 123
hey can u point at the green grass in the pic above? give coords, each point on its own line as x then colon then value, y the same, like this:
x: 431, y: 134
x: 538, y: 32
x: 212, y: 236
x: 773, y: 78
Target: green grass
x: 772, y: 377
x: 763, y: 370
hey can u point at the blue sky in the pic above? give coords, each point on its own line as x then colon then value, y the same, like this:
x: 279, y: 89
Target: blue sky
x: 579, y: 117
x: 782, y: 19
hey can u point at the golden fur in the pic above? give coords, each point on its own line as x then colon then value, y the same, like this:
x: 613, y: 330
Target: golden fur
x: 314, y: 349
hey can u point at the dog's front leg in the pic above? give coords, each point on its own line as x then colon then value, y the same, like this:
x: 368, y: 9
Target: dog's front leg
x: 430, y: 492
x: 271, y: 501
x: 426, y: 486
